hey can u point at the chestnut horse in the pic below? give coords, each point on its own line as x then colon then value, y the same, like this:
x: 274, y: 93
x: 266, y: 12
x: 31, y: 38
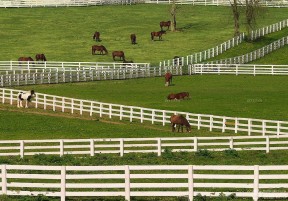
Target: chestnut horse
x: 133, y: 39
x: 96, y: 36
x: 40, y: 57
x: 99, y: 48
x: 157, y: 34
x: 165, y: 24
x: 178, y: 96
x: 119, y: 54
x: 24, y: 60
x: 168, y: 79
x: 181, y: 121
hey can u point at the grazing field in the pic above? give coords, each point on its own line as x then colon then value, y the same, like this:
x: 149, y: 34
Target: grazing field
x: 248, y: 96
x: 65, y: 33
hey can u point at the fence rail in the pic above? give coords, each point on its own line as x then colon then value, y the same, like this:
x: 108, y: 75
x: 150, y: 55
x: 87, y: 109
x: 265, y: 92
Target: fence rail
x: 153, y: 180
x: 211, y: 122
x: 257, y: 54
x: 238, y: 69
x: 123, y: 146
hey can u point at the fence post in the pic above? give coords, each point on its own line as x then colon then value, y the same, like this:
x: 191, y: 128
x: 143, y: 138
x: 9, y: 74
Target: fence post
x: 267, y: 144
x: 195, y: 144
x: 199, y: 121
x: 231, y: 143
x: 63, y: 183
x: 22, y: 149
x: 127, y: 183
x: 92, y: 147
x: 121, y: 147
x: 61, y: 151
x: 164, y: 118
x: 4, y: 179
x: 263, y: 127
x: 190, y: 182
x: 159, y: 149
x: 256, y: 183
x: 211, y: 123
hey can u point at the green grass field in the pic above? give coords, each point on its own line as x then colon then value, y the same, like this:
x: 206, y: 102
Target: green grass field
x: 65, y: 34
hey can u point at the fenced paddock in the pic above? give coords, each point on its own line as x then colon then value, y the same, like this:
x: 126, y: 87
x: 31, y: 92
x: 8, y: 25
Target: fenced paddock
x: 121, y: 146
x: 238, y: 69
x: 132, y: 113
x: 153, y: 180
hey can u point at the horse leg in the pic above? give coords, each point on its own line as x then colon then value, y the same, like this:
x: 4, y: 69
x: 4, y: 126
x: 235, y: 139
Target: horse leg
x: 172, y: 126
x: 26, y: 104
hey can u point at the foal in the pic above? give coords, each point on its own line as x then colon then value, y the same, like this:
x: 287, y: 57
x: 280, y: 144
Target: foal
x: 27, y: 96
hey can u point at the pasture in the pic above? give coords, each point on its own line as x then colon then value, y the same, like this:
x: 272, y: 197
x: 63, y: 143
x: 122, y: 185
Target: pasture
x: 65, y: 33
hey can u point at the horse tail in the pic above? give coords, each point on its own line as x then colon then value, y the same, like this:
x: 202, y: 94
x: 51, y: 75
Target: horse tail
x: 152, y: 36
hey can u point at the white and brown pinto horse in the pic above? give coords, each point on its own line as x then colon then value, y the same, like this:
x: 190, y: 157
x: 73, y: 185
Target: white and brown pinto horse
x: 181, y: 121
x: 25, y: 96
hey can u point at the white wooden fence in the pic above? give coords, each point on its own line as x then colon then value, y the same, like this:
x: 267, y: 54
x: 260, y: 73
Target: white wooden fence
x: 133, y: 113
x: 123, y: 146
x: 256, y: 54
x: 238, y: 69
x: 145, y: 180
x: 268, y: 3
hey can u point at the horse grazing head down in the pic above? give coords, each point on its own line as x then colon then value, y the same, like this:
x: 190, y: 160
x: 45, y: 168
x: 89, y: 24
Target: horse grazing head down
x: 168, y: 79
x: 133, y: 39
x: 40, y: 57
x: 181, y: 121
x: 25, y: 96
x: 99, y: 48
x: 119, y: 54
x: 96, y: 36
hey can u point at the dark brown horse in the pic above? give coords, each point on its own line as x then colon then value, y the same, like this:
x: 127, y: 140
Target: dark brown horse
x: 165, y: 24
x: 99, y: 48
x: 119, y: 54
x: 96, y: 36
x: 168, y: 79
x: 178, y: 96
x: 181, y: 121
x: 40, y: 57
x: 133, y: 39
x: 157, y: 34
x: 24, y: 60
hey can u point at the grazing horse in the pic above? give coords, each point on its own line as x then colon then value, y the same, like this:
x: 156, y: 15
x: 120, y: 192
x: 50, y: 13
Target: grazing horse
x: 157, y: 34
x: 25, y: 60
x: 99, y: 48
x: 96, y: 36
x: 165, y: 24
x: 178, y: 96
x: 168, y: 79
x: 133, y: 39
x: 40, y: 57
x: 27, y: 96
x: 181, y: 121
x: 119, y: 54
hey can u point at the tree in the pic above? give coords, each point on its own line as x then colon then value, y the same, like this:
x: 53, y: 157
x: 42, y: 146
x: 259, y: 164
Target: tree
x: 236, y: 16
x: 251, y: 14
x: 173, y: 12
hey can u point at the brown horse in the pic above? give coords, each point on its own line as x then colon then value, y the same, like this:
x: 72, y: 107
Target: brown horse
x: 96, y: 36
x: 119, y: 54
x: 133, y: 39
x: 165, y: 24
x: 178, y: 96
x: 157, y: 34
x: 181, y: 121
x: 99, y: 48
x: 24, y: 60
x: 168, y: 79
x: 40, y: 57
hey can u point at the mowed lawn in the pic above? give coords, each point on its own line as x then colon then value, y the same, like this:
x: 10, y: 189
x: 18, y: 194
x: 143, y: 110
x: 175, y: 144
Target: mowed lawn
x: 263, y: 97
x: 65, y: 33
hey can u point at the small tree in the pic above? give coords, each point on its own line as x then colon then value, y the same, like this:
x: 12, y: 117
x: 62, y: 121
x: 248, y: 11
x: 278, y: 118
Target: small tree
x: 236, y: 16
x: 251, y: 14
x: 173, y: 12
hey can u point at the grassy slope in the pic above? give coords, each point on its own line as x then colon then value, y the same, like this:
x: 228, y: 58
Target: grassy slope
x: 65, y: 34
x: 240, y: 96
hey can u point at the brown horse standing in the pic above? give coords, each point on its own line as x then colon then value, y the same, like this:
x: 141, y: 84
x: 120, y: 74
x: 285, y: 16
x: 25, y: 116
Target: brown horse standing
x: 96, y: 36
x: 99, y: 48
x: 165, y: 24
x: 40, y: 57
x: 157, y: 34
x: 168, y: 79
x: 181, y: 121
x: 133, y: 39
x: 23, y: 60
x: 119, y: 54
